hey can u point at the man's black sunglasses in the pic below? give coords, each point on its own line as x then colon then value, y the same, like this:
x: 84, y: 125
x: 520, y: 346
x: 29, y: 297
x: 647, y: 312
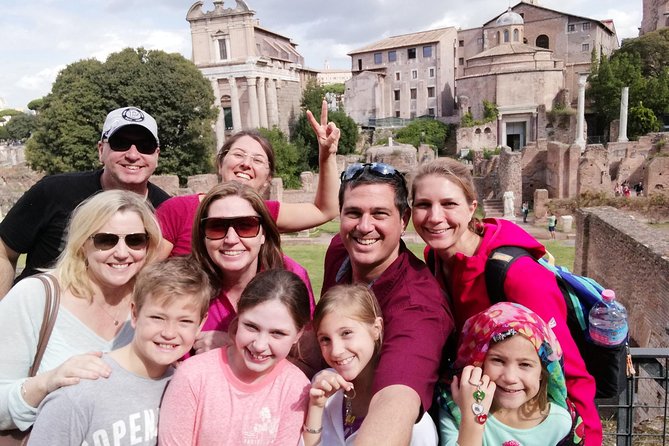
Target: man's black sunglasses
x: 120, y: 143
x: 377, y: 169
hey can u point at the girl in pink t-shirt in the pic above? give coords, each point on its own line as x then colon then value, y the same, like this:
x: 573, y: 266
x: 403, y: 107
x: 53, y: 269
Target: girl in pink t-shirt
x: 245, y: 393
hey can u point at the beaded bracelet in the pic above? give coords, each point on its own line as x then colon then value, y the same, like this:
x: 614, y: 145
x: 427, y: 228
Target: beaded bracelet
x: 312, y: 431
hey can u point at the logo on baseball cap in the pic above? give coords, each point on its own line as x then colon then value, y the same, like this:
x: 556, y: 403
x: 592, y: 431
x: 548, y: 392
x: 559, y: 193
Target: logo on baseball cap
x: 121, y: 117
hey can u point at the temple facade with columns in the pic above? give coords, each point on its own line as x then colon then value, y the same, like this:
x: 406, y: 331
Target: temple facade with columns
x: 257, y: 75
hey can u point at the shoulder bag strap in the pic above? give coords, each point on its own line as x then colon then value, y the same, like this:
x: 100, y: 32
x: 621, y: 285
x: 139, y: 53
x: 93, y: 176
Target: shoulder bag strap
x: 50, y: 313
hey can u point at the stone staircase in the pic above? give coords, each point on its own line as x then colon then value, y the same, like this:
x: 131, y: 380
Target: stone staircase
x: 493, y: 208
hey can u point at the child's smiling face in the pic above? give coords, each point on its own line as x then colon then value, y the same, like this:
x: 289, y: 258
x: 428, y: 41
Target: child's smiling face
x: 514, y: 365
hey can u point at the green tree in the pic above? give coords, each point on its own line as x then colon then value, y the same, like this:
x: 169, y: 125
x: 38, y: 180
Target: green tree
x: 424, y: 131
x: 21, y: 126
x: 652, y: 49
x: 289, y: 159
x: 606, y: 84
x: 642, y: 120
x: 167, y: 86
x: 303, y: 135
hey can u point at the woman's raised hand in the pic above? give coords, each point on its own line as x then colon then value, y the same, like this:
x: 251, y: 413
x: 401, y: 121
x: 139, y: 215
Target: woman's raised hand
x: 325, y: 384
x: 326, y: 132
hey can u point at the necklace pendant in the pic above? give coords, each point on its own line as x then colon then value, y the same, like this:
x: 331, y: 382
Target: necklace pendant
x: 350, y: 419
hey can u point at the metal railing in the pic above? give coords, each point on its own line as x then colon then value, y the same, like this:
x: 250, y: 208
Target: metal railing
x: 644, y: 396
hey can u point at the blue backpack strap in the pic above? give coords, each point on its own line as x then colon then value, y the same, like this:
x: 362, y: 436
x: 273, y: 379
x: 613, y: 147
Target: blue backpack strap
x: 497, y: 266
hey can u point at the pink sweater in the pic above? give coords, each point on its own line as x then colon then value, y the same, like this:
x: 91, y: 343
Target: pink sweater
x: 205, y: 404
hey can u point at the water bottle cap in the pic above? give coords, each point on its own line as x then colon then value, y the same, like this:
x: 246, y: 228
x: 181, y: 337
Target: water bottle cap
x: 608, y: 295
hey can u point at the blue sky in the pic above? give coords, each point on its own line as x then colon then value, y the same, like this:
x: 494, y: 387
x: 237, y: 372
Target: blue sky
x: 38, y: 38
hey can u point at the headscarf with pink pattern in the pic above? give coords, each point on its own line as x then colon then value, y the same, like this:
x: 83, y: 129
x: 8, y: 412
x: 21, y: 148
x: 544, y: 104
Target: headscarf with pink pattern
x: 506, y: 319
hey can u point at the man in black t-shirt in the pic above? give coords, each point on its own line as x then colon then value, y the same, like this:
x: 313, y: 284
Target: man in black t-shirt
x: 36, y: 224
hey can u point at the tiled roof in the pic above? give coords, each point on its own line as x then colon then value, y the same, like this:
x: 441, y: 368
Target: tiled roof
x: 404, y: 40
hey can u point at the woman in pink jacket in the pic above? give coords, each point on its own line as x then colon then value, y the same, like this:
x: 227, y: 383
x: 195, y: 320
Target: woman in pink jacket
x: 443, y: 206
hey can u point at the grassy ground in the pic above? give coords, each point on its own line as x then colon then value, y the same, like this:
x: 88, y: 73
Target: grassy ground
x: 312, y: 256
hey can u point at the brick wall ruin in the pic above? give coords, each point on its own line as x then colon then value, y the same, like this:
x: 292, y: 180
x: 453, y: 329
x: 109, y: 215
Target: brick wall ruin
x: 633, y: 259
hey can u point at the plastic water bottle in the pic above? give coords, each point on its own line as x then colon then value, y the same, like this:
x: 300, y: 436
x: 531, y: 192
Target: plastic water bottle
x: 608, y: 321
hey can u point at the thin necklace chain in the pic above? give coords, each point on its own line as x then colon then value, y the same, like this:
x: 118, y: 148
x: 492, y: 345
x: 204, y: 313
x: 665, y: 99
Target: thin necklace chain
x: 113, y: 318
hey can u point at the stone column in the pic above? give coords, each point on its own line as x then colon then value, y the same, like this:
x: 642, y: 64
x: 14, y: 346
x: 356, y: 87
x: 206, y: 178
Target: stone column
x: 219, y: 128
x: 253, y: 101
x: 272, y: 103
x: 234, y: 103
x: 622, y: 131
x: 262, y: 100
x: 502, y: 125
x: 499, y: 130
x: 580, y: 114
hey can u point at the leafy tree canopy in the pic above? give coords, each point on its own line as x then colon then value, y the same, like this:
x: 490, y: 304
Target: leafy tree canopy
x: 9, y: 112
x: 167, y: 86
x: 608, y: 79
x: 289, y: 158
x: 303, y: 134
x: 642, y: 120
x: 652, y: 49
x: 424, y: 131
x: 20, y: 127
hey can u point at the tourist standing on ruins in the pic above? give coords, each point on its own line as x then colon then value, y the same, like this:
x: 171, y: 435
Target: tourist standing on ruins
x: 526, y: 210
x: 249, y: 158
x: 128, y: 149
x: 444, y: 201
x: 417, y: 322
x: 111, y: 237
x: 552, y: 223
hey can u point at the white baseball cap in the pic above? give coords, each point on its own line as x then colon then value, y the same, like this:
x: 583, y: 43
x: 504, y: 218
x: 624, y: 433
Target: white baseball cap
x: 121, y: 117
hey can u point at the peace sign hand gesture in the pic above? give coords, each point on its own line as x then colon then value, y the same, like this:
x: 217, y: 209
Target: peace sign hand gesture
x: 326, y: 132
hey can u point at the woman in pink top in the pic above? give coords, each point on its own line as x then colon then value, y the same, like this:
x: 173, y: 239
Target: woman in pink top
x: 245, y: 393
x: 248, y: 158
x: 443, y: 204
x: 234, y: 239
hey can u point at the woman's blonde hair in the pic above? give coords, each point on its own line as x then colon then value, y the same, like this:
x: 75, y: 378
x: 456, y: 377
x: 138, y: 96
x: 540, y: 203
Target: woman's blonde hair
x: 86, y: 220
x: 457, y: 173
x: 270, y: 255
x: 355, y: 301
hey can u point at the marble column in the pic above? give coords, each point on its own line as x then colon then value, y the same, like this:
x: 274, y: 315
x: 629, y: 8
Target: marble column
x: 580, y: 113
x: 234, y: 103
x: 262, y: 102
x: 622, y: 131
x: 272, y: 103
x: 500, y: 142
x: 253, y: 101
x: 219, y: 128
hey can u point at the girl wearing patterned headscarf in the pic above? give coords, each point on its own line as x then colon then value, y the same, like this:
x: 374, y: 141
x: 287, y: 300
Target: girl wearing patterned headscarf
x: 511, y: 391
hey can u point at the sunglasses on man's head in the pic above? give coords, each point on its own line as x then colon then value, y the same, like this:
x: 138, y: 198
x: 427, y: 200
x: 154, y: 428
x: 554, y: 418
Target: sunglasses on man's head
x: 377, y: 169
x: 104, y: 241
x: 216, y: 228
x: 120, y: 143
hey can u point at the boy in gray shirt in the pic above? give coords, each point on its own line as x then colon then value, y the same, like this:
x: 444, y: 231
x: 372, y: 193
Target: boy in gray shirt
x: 169, y: 306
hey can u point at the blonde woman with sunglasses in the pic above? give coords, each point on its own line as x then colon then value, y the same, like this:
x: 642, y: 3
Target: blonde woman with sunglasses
x: 111, y: 236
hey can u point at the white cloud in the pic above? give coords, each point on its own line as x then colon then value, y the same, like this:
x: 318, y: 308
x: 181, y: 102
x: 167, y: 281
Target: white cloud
x: 40, y: 81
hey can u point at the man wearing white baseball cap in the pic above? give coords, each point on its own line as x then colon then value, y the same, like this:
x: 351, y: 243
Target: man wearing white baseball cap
x: 128, y: 149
